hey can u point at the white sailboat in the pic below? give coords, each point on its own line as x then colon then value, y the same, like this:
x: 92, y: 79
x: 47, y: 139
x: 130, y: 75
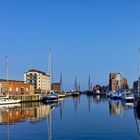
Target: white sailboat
x: 51, y: 96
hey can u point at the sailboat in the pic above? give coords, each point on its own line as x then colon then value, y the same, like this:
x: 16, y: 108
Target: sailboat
x: 51, y: 96
x: 76, y: 91
x: 89, y: 92
x: 61, y: 95
x: 5, y: 99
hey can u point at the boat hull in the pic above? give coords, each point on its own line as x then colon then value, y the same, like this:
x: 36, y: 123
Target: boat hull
x: 9, y: 101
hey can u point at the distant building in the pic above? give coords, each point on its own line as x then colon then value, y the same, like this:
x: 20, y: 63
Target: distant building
x: 40, y: 80
x: 135, y: 86
x: 117, y: 82
x: 15, y: 87
x: 56, y: 87
x: 105, y: 89
x: 97, y: 88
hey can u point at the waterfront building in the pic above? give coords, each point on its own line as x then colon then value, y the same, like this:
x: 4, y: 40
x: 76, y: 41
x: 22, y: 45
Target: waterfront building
x: 135, y: 86
x: 40, y: 80
x: 97, y: 88
x: 117, y: 82
x: 56, y: 87
x: 15, y: 87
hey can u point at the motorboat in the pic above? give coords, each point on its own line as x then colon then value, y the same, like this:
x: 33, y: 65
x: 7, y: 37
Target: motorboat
x: 127, y: 97
x: 116, y: 95
x: 7, y: 100
x: 50, y: 97
x: 110, y: 93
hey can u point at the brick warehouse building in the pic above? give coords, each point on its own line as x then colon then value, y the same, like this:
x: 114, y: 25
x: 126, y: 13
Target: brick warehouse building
x: 56, y: 87
x: 15, y: 87
x: 117, y: 81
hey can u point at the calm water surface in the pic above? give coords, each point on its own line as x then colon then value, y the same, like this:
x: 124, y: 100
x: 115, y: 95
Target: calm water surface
x: 81, y: 118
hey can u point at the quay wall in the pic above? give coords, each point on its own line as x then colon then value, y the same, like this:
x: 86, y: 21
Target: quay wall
x: 27, y: 98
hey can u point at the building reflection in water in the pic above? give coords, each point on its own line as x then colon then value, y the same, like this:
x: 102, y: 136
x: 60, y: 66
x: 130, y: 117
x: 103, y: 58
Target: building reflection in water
x: 26, y: 111
x: 116, y: 107
x: 35, y: 111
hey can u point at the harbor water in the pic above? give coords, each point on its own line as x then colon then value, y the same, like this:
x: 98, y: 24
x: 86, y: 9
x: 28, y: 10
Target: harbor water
x: 74, y: 118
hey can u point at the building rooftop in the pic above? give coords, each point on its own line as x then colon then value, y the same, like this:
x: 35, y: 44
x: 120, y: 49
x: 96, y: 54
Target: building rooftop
x: 34, y: 70
x: 4, y: 80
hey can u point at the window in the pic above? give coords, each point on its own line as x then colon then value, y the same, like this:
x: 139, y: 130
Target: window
x: 10, y: 88
x: 16, y: 88
x: 27, y: 89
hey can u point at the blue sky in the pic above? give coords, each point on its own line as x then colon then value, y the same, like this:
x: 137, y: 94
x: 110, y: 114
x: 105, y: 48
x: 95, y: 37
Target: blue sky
x: 87, y: 37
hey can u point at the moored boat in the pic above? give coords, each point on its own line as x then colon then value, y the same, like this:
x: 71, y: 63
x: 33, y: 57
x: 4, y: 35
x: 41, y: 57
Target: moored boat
x: 7, y: 100
x: 75, y: 94
x: 116, y: 95
x: 50, y: 97
x: 61, y: 95
x: 127, y: 97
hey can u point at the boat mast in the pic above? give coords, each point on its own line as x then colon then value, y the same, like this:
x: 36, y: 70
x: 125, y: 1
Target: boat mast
x: 6, y: 59
x: 139, y: 74
x: 89, y: 84
x: 50, y: 68
x: 61, y: 83
x: 75, y: 84
x: 79, y: 87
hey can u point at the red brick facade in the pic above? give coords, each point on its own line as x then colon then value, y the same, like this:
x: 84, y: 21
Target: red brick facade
x: 113, y: 85
x: 15, y: 87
